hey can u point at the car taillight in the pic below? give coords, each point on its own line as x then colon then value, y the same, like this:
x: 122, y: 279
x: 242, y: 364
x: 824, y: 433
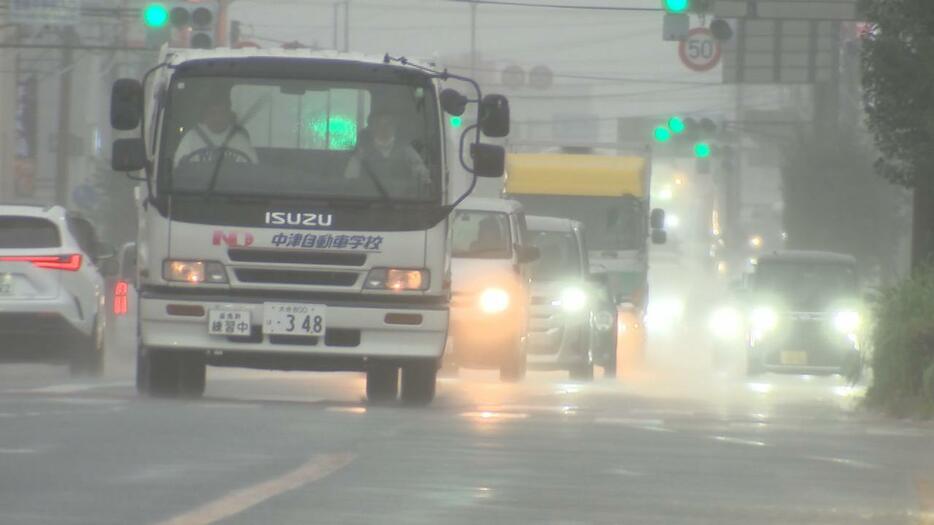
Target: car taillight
x: 120, y: 295
x: 69, y: 263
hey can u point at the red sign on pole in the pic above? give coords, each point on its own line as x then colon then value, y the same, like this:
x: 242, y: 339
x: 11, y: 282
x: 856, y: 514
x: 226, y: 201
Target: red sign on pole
x: 700, y: 51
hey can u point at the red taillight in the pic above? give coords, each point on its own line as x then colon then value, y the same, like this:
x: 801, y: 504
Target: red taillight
x: 69, y: 263
x: 120, y: 294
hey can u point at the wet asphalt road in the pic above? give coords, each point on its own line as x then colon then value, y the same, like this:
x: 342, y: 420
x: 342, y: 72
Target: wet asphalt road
x: 670, y: 444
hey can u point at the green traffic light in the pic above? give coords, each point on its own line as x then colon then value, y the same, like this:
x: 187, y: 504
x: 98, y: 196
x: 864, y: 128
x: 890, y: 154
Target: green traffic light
x: 677, y: 6
x: 456, y: 122
x: 702, y: 150
x: 677, y: 125
x: 155, y: 15
x: 662, y: 134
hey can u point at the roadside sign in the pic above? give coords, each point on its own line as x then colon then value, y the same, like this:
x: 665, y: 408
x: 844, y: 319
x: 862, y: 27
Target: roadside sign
x: 45, y: 12
x: 700, y: 51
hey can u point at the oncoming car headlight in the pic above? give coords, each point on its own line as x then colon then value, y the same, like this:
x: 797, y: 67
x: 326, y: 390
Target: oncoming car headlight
x: 573, y: 299
x: 764, y: 319
x: 494, y: 300
x: 846, y: 321
x: 725, y: 323
x: 194, y: 272
x: 396, y: 279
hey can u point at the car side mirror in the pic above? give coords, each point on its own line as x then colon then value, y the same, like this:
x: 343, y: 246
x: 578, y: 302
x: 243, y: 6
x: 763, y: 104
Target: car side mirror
x: 453, y: 102
x: 128, y: 155
x: 494, y: 116
x: 657, y: 219
x: 659, y: 236
x: 107, y: 266
x: 528, y: 254
x: 126, y: 104
x: 489, y: 160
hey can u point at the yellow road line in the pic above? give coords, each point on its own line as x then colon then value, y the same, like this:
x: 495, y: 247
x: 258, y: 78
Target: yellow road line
x: 316, y: 469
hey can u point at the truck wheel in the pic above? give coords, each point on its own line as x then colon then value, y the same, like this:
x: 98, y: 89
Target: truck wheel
x: 582, y: 372
x: 513, y: 366
x: 87, y: 353
x: 754, y: 365
x: 418, y: 382
x: 382, y: 382
x: 165, y: 373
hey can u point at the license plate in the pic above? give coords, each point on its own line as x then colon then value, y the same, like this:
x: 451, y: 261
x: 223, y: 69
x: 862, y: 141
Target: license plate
x: 293, y: 319
x: 795, y: 358
x: 229, y: 322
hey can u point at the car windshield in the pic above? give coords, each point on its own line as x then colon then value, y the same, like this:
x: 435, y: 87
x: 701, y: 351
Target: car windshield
x: 299, y: 138
x: 560, y: 257
x: 481, y: 235
x: 612, y: 223
x: 806, y: 285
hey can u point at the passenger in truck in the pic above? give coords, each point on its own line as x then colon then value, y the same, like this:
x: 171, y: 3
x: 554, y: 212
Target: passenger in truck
x: 384, y: 158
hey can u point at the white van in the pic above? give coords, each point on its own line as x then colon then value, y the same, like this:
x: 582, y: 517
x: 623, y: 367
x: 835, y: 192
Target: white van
x: 490, y: 281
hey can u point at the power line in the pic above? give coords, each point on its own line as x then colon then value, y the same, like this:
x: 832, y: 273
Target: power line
x: 559, y: 6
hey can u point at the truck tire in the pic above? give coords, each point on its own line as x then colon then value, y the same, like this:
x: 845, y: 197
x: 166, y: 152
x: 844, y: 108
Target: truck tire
x: 166, y: 373
x: 582, y: 372
x: 513, y: 367
x: 87, y: 353
x: 382, y: 382
x: 419, y: 380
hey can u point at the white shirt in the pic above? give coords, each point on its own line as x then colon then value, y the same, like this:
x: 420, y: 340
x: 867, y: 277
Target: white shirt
x: 192, y: 142
x: 412, y: 158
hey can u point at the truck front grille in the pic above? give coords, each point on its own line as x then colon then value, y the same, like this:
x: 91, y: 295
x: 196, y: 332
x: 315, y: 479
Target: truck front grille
x: 296, y: 257
x: 297, y: 277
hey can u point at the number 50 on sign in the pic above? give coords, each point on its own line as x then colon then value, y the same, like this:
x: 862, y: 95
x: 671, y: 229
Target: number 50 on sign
x: 700, y: 51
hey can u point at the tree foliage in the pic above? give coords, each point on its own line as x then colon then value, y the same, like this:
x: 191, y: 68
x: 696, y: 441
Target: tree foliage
x: 898, y: 83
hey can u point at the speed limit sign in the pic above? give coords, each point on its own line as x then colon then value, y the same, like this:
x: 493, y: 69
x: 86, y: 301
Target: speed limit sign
x: 700, y: 51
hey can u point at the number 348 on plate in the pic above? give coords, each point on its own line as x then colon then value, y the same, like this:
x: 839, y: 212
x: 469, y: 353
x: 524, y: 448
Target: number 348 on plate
x: 293, y: 319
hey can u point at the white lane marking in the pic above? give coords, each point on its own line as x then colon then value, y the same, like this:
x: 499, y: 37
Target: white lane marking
x: 18, y: 451
x: 844, y: 461
x: 71, y: 388
x: 739, y: 441
x: 316, y: 469
x: 651, y: 425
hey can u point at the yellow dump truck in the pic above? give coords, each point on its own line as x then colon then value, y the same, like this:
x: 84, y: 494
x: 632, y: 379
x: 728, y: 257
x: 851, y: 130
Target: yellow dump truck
x: 609, y: 195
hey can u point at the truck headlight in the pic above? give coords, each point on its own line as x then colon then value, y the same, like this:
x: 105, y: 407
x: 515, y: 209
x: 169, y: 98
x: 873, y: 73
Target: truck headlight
x: 764, y: 319
x: 194, y: 272
x: 846, y: 321
x: 396, y: 279
x: 725, y: 323
x: 572, y: 299
x: 494, y: 300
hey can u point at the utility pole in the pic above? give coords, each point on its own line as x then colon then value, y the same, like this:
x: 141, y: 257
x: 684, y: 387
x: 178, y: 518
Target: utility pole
x: 337, y: 11
x: 473, y: 39
x: 346, y: 26
x: 63, y: 153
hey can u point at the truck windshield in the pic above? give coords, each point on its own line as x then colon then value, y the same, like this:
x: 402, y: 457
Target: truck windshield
x: 560, y: 257
x: 295, y: 138
x: 810, y: 286
x: 481, y: 235
x: 612, y: 223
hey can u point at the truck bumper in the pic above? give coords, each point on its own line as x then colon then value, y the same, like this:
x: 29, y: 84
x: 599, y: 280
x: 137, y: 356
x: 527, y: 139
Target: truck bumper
x: 351, y: 331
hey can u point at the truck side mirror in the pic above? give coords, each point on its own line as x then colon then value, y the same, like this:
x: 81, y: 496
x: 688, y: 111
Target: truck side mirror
x: 128, y: 155
x: 126, y: 104
x: 494, y: 116
x: 657, y: 219
x: 528, y: 254
x: 453, y: 102
x: 659, y: 236
x: 489, y: 160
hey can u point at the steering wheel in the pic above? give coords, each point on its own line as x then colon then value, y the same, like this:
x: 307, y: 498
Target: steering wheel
x: 234, y: 155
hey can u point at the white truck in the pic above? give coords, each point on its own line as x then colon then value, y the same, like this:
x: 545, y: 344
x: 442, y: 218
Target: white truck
x: 295, y: 214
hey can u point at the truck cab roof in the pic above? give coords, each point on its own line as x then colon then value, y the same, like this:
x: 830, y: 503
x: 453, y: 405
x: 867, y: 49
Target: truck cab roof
x: 552, y: 224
